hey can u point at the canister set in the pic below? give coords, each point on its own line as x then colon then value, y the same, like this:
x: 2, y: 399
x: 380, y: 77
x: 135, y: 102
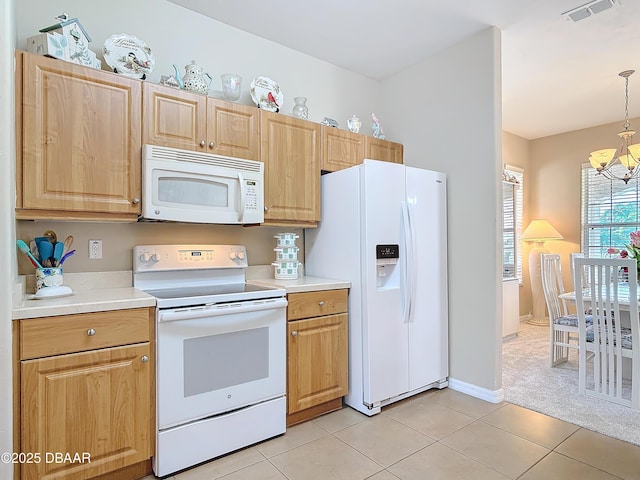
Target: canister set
x: 286, y: 264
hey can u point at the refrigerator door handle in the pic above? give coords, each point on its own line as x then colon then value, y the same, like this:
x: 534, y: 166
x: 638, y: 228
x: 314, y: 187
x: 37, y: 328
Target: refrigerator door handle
x: 408, y: 249
x: 412, y: 256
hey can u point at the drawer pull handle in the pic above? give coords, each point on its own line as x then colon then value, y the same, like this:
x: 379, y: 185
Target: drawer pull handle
x: 294, y: 333
x: 91, y: 332
x: 144, y: 359
x: 321, y: 303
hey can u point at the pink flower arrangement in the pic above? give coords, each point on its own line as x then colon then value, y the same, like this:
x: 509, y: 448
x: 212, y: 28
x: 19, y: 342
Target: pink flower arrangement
x: 633, y: 250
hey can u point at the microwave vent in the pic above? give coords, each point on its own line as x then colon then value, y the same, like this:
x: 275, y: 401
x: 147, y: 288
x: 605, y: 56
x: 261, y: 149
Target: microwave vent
x: 178, y: 155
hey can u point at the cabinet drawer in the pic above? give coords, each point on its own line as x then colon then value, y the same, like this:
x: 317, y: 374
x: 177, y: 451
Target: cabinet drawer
x: 315, y: 304
x: 43, y: 337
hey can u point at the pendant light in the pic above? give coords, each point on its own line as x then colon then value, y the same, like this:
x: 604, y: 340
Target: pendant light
x: 629, y: 157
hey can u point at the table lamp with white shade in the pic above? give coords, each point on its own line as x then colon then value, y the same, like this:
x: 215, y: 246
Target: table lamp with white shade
x: 538, y: 232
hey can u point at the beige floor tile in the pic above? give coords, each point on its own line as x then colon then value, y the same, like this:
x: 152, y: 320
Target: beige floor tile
x: 384, y: 440
x: 294, y: 437
x: 429, y: 417
x: 437, y: 462
x: 558, y: 466
x: 325, y: 459
x: 471, y: 406
x: 222, y: 466
x: 503, y: 451
x: 258, y: 471
x: 383, y: 475
x: 334, y: 421
x: 606, y: 453
x: 537, y: 427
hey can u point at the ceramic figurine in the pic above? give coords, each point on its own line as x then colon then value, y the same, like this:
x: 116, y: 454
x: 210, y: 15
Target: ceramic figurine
x: 377, y: 129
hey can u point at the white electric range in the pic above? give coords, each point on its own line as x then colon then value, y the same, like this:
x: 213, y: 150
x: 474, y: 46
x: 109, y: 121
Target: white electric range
x: 220, y: 352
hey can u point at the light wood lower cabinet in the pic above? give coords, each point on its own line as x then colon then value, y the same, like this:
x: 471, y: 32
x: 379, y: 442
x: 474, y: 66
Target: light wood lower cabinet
x: 317, y: 353
x: 87, y: 412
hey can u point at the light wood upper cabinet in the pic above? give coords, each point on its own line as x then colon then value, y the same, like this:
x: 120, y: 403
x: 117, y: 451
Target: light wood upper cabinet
x: 341, y: 149
x: 377, y: 149
x: 187, y: 120
x: 80, y: 144
x: 291, y: 155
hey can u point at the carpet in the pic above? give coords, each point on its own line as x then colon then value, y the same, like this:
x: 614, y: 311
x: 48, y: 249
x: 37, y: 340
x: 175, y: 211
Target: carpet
x: 530, y: 382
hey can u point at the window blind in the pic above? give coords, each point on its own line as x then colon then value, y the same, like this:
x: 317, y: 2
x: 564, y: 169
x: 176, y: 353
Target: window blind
x: 512, y: 207
x: 610, y: 211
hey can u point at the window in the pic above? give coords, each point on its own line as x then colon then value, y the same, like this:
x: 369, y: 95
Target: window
x: 512, y: 202
x: 610, y: 211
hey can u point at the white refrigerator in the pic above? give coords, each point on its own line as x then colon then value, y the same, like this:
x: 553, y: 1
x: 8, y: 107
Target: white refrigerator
x: 383, y: 227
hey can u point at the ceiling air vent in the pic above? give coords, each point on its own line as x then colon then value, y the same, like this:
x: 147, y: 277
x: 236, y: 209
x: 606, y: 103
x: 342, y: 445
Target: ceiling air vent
x: 588, y: 9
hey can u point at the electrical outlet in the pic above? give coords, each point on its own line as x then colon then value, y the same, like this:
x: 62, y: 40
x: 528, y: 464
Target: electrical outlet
x: 95, y: 249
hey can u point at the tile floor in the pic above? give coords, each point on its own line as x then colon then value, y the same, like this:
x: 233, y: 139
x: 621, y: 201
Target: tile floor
x: 440, y: 434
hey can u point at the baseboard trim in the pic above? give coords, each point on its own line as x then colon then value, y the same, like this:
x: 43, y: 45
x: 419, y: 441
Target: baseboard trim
x: 493, y: 396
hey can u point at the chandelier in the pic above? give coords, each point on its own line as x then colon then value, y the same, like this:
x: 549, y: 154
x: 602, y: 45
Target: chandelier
x: 604, y: 160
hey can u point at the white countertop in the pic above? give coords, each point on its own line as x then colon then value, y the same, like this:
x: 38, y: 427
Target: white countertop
x: 302, y: 284
x: 113, y: 292
x: 83, y: 302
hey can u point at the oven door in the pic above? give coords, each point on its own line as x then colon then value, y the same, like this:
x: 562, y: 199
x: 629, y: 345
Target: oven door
x: 217, y: 358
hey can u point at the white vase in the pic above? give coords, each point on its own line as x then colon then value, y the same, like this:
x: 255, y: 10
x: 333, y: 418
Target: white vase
x: 300, y: 109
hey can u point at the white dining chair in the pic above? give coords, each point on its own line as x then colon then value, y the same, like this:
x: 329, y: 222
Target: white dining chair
x: 613, y: 335
x: 572, y: 257
x: 563, y: 326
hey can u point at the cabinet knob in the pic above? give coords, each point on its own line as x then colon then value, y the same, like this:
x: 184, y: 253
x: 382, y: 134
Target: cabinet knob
x: 212, y: 144
x: 266, y: 209
x: 294, y: 333
x: 321, y: 303
x: 202, y: 143
x: 144, y: 359
x: 135, y: 201
x: 91, y: 332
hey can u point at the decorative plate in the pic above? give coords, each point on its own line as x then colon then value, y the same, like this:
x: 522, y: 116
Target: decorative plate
x: 128, y: 55
x: 266, y: 94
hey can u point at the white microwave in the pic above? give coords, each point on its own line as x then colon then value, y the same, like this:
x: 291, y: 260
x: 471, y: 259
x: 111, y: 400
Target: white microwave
x: 186, y: 186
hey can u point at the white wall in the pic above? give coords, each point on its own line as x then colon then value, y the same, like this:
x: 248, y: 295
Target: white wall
x: 447, y: 111
x: 7, y: 225
x: 177, y: 36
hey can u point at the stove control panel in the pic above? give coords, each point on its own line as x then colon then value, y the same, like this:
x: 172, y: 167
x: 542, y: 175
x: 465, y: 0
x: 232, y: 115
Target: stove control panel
x: 148, y: 258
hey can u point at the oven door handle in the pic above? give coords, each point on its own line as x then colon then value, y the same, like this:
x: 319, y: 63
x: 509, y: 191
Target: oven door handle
x: 191, y: 313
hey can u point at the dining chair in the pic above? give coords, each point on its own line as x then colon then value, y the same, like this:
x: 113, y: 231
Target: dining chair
x: 563, y: 326
x: 572, y: 257
x: 613, y: 334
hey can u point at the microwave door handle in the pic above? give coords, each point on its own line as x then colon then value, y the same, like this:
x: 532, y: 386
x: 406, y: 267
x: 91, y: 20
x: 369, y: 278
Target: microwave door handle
x: 242, y: 194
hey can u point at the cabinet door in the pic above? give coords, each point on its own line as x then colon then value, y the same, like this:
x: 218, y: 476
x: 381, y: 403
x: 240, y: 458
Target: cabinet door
x: 96, y: 403
x: 233, y: 130
x: 81, y: 141
x: 377, y: 149
x: 341, y: 149
x: 317, y: 361
x: 174, y: 118
x: 291, y: 155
